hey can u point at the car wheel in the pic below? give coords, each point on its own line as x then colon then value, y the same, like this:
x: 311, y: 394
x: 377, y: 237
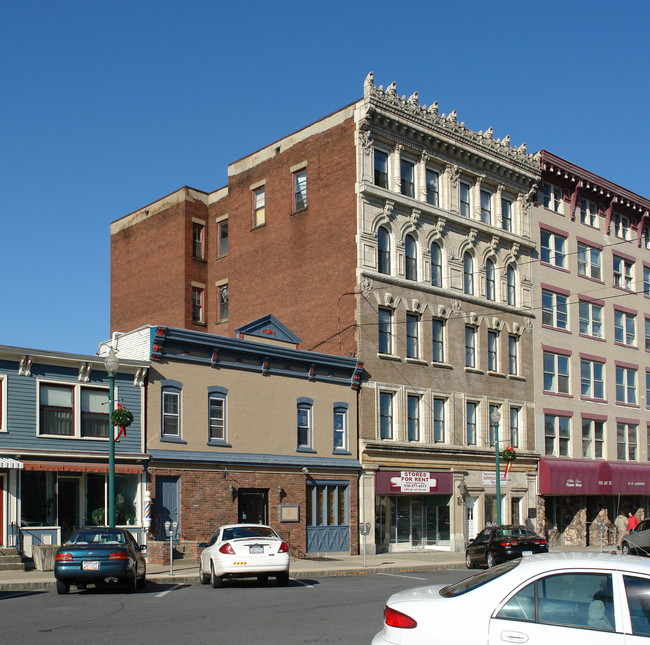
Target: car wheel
x: 215, y: 580
x: 282, y: 579
x: 131, y: 583
x: 490, y: 559
x: 262, y: 579
x: 62, y: 588
x: 468, y: 561
x: 203, y: 578
x: 625, y: 548
x: 142, y: 582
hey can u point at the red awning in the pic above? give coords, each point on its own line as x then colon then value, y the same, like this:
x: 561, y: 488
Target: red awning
x: 80, y: 468
x: 630, y: 479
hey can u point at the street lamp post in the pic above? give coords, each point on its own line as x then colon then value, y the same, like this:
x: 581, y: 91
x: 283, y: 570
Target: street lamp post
x: 111, y: 364
x: 496, y: 417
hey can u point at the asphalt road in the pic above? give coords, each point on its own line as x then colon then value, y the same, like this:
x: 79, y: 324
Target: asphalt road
x: 337, y: 610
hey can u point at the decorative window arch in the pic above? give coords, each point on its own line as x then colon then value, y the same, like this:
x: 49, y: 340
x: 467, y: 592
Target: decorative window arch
x: 383, y: 250
x: 411, y: 256
x: 436, y: 264
x: 468, y: 273
x: 490, y: 280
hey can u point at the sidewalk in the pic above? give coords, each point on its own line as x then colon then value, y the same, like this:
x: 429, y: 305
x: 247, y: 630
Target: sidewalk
x: 186, y: 572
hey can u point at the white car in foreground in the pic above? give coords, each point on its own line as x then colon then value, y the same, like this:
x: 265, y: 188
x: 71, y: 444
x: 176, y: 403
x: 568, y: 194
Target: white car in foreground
x: 244, y: 551
x: 550, y: 598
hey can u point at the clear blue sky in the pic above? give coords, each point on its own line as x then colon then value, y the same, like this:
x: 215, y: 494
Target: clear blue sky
x: 109, y: 106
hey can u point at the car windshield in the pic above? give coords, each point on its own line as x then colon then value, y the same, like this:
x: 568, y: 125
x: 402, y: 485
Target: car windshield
x: 473, y: 582
x: 514, y: 531
x: 239, y: 532
x: 97, y: 536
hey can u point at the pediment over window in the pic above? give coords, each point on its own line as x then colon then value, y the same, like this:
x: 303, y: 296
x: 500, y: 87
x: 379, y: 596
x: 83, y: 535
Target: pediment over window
x: 268, y: 328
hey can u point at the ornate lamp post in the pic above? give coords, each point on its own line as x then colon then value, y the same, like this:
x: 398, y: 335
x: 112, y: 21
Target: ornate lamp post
x: 111, y: 364
x: 495, y: 418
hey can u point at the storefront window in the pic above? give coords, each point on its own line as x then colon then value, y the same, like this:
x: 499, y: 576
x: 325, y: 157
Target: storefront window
x: 95, y: 500
x: 418, y: 520
x: 38, y: 499
x: 126, y: 490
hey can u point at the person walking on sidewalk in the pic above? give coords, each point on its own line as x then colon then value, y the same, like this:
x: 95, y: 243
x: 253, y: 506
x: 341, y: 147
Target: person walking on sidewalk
x: 632, y: 522
x: 621, y: 528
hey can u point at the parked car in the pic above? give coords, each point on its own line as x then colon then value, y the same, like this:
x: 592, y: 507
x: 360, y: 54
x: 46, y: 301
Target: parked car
x: 242, y: 551
x: 560, y: 598
x: 100, y: 555
x: 637, y: 541
x: 496, y: 544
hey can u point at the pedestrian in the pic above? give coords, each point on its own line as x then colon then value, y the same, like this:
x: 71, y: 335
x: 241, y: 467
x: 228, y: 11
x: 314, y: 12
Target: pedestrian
x: 632, y: 522
x: 621, y: 528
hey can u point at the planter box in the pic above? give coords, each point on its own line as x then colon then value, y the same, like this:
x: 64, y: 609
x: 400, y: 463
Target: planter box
x: 43, y: 555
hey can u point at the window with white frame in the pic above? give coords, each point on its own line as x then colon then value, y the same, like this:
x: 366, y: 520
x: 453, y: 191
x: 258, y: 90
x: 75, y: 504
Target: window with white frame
x: 197, y: 305
x: 171, y: 409
x: 407, y: 172
x: 555, y: 309
x: 646, y: 281
x: 626, y: 441
x: 647, y: 334
x: 304, y: 423
x: 259, y: 207
x: 557, y: 435
x: 468, y: 273
x: 94, y: 413
x: 217, y: 413
x: 511, y: 285
x: 486, y: 207
x: 299, y: 190
x: 413, y: 421
x: 383, y: 250
x: 439, y: 405
x: 471, y: 420
x: 556, y: 373
x: 589, y: 213
x: 591, y: 319
x: 592, y: 380
x: 493, y: 350
x: 626, y: 385
x: 623, y: 273
x: 593, y: 439
x: 506, y: 215
x: 470, y: 346
x: 553, y: 198
x: 515, y: 415
x: 385, y: 330
x: 589, y: 261
x: 436, y: 265
x: 490, y: 280
x: 411, y: 257
x: 621, y: 226
x: 553, y: 250
x: 433, y: 184
x: 624, y: 327
x: 340, y: 421
x: 386, y: 420
x: 381, y: 168
x: 513, y: 355
x: 198, y: 241
x: 222, y: 299
x: 438, y: 337
x: 465, y: 204
x: 412, y: 335
x: 647, y: 393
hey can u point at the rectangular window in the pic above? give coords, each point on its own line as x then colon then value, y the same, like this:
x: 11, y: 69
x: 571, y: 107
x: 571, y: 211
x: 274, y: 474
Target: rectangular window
x: 646, y: 281
x: 589, y: 213
x: 465, y: 191
x: 493, y: 351
x: 592, y: 383
x: 623, y: 273
x: 299, y: 190
x: 171, y: 414
x: 621, y: 226
x: 591, y: 319
x: 626, y: 441
x: 386, y: 415
x: 589, y: 261
x: 385, y: 331
x: 259, y: 207
x: 407, y: 172
x: 556, y: 373
x: 593, y: 439
x: 557, y: 435
x: 486, y: 207
x: 413, y: 411
x: 506, y: 215
x: 438, y: 420
x: 624, y: 327
x: 340, y: 427
x: 94, y: 413
x: 647, y: 396
x: 626, y: 385
x: 438, y: 333
x: 471, y: 410
x: 56, y: 410
x: 433, y: 182
x: 470, y: 346
x: 555, y: 309
x: 553, y: 198
x: 647, y: 334
x: 304, y: 425
x: 197, y: 305
x: 198, y: 236
x: 553, y: 249
x: 513, y: 355
x: 381, y: 169
x: 515, y: 414
x: 217, y: 407
x: 222, y: 298
x: 412, y: 336
x: 222, y: 238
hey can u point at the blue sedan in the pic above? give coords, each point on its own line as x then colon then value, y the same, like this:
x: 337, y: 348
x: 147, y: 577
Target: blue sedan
x: 99, y: 556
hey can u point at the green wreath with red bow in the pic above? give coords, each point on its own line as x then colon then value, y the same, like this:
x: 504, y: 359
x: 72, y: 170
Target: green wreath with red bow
x: 508, y: 455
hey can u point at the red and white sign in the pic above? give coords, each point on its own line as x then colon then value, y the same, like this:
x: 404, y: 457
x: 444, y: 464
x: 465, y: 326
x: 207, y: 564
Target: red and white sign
x: 413, y: 481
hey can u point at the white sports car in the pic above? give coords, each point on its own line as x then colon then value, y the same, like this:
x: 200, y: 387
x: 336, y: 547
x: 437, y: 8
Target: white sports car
x: 558, y: 598
x: 244, y: 551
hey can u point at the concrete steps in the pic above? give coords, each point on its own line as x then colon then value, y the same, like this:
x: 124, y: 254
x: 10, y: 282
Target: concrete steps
x: 10, y: 560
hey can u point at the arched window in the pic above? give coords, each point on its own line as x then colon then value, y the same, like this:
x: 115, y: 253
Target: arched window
x: 468, y: 274
x: 436, y: 265
x: 383, y: 245
x: 512, y: 285
x: 411, y: 250
x: 490, y: 288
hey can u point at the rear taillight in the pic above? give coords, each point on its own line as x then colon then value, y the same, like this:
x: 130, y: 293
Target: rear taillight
x: 506, y: 543
x: 226, y: 548
x: 118, y: 555
x: 283, y: 548
x: 64, y: 556
x: 394, y: 618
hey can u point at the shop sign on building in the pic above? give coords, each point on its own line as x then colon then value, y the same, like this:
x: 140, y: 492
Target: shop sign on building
x: 490, y: 478
x: 413, y: 482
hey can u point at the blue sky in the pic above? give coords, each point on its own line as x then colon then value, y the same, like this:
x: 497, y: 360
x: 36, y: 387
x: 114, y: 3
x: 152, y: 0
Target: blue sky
x: 109, y: 106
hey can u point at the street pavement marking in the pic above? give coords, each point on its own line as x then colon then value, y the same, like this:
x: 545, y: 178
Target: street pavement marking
x: 397, y: 575
x: 164, y: 593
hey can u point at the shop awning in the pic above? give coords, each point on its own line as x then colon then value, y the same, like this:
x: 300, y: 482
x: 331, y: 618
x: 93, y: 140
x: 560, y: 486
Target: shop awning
x: 8, y: 462
x: 630, y: 479
x: 70, y: 467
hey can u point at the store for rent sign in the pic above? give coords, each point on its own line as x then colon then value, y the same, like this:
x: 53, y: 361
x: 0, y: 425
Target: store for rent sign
x: 413, y: 481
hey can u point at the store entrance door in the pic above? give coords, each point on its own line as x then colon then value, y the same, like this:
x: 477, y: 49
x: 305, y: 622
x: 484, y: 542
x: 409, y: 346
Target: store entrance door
x: 253, y: 505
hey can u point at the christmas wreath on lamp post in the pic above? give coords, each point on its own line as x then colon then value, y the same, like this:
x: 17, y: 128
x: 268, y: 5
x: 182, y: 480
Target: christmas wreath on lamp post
x: 123, y: 418
x: 508, y: 455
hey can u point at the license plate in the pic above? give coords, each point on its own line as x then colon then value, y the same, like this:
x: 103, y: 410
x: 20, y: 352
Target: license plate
x: 91, y: 565
x: 256, y: 548
x: 526, y: 553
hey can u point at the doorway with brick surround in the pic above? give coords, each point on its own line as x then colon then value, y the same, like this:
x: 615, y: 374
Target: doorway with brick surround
x: 253, y: 505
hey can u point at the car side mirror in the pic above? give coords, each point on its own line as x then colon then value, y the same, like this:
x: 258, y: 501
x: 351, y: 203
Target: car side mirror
x: 470, y: 541
x: 143, y: 547
x: 203, y: 545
